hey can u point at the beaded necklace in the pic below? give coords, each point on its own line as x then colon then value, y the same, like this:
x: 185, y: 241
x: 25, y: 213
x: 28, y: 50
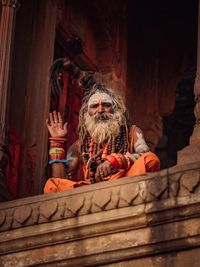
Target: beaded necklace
x: 90, y: 149
x: 94, y: 154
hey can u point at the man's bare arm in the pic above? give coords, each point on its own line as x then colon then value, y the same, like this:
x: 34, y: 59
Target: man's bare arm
x: 140, y: 146
x: 59, y: 169
x: 58, y: 131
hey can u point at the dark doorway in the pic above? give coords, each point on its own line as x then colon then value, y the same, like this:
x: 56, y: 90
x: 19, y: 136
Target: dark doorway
x: 162, y: 45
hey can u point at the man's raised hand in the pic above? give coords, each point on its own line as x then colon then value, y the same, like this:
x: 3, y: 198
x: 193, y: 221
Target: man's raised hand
x: 55, y: 125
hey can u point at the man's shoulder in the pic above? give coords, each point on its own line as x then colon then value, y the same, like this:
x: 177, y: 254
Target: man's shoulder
x: 134, y: 128
x: 135, y: 133
x: 75, y: 147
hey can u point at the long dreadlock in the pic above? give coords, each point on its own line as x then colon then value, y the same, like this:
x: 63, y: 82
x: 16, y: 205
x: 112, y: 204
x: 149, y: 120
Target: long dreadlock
x: 89, y: 86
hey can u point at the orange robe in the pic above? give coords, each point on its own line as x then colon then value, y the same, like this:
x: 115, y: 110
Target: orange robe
x: 148, y: 162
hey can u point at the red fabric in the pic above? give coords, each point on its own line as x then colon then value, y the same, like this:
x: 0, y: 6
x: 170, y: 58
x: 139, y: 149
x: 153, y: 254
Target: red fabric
x: 12, y: 170
x: 63, y: 95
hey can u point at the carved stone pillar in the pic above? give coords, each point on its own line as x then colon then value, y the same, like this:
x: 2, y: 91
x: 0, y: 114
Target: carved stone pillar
x: 8, y: 10
x: 195, y: 138
x: 192, y: 152
x: 34, y: 133
x: 7, y: 23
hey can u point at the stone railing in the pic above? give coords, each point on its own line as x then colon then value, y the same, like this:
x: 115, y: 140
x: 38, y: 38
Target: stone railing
x: 138, y: 219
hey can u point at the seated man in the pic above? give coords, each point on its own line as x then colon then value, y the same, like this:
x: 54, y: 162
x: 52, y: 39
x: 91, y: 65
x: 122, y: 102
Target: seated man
x: 108, y: 147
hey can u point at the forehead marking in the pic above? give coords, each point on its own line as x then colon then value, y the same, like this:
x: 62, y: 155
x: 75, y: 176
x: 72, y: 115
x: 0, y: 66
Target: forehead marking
x: 103, y: 97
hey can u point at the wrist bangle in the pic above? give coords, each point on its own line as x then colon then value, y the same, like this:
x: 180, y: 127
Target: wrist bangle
x: 57, y: 144
x: 119, y: 161
x: 56, y: 150
x: 56, y: 156
x: 124, y: 161
x: 113, y: 161
x: 129, y: 162
x: 58, y: 139
x: 118, y: 158
x: 65, y: 161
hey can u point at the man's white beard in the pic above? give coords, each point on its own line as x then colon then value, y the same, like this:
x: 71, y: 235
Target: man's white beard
x: 103, y: 128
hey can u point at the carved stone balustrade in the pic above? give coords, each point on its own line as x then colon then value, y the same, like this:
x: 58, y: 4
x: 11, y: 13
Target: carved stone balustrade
x: 147, y: 220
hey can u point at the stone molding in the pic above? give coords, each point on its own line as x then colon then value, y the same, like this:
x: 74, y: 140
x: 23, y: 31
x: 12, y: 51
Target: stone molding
x: 104, y: 223
x: 175, y: 182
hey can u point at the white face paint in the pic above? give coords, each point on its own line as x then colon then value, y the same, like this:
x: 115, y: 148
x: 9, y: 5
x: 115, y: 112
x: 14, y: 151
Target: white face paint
x: 95, y: 98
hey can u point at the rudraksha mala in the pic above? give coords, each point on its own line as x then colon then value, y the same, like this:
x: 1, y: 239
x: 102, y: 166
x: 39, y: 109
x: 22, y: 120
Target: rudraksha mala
x: 113, y: 149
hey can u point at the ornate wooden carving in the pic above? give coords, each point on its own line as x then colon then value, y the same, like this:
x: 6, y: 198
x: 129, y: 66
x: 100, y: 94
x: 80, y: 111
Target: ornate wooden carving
x: 34, y: 135
x: 6, y: 35
x: 8, y: 10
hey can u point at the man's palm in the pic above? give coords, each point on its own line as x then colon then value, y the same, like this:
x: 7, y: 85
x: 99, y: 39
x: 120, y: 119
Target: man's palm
x: 55, y: 125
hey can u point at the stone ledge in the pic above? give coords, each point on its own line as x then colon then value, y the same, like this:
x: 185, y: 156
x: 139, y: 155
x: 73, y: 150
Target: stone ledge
x: 110, y: 247
x: 104, y: 223
x: 170, y: 183
x: 177, y: 259
x: 100, y: 224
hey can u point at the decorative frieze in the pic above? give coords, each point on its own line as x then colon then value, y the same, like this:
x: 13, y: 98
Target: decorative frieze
x: 105, y: 223
x: 168, y: 184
